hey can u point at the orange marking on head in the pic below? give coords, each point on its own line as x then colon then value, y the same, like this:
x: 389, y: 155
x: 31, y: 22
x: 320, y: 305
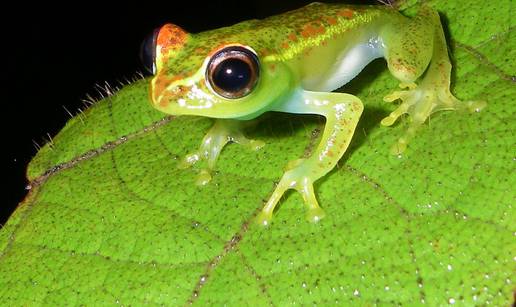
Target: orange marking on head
x: 160, y: 84
x: 169, y: 96
x: 181, y: 90
x: 165, y: 99
x: 346, y: 13
x: 284, y: 45
x: 178, y: 77
x: 164, y: 102
x: 171, y: 37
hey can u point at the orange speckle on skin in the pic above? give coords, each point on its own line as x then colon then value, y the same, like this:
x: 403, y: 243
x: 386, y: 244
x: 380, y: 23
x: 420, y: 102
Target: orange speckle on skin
x: 311, y: 30
x: 173, y: 95
x: 307, y: 31
x: 177, y: 77
x: 292, y: 37
x: 284, y: 45
x: 265, y: 52
x: 165, y: 99
x: 160, y: 84
x: 272, y: 67
x: 180, y: 91
x: 171, y: 37
x: 331, y: 20
x: 163, y: 103
x: 347, y: 13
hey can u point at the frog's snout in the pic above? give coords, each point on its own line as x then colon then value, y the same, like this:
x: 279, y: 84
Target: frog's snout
x: 164, y: 98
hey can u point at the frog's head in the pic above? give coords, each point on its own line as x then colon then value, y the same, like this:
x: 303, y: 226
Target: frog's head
x: 212, y: 74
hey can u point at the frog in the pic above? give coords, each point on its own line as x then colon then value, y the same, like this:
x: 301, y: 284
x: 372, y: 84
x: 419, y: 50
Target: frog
x: 293, y: 63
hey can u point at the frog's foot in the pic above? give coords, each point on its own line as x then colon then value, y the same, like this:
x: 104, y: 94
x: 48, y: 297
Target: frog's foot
x: 419, y: 102
x: 293, y: 179
x: 222, y: 132
x: 204, y: 176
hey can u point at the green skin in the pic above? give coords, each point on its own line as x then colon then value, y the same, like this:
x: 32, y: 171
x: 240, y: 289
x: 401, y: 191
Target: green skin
x: 304, y: 55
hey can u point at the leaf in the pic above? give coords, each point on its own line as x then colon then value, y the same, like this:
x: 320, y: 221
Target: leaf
x: 110, y: 219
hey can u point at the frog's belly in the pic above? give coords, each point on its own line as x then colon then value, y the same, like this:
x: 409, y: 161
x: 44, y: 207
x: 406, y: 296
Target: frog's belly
x: 331, y: 67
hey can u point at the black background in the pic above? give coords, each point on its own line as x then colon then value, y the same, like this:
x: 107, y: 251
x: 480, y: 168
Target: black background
x: 54, y: 54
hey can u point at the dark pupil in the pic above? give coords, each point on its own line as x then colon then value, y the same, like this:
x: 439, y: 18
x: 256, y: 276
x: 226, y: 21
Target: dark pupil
x: 148, y: 52
x: 232, y: 75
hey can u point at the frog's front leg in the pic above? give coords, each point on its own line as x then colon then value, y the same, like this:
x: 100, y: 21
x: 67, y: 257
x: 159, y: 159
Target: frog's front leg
x: 413, y: 46
x: 342, y: 112
x: 222, y: 132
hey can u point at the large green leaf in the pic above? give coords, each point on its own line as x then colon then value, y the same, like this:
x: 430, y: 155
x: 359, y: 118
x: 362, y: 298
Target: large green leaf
x: 110, y: 219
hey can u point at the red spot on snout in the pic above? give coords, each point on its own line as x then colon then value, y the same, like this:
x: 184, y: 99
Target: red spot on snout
x: 171, y: 37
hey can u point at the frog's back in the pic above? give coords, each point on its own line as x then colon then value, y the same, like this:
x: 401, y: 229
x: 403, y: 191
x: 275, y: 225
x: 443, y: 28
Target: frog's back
x: 286, y: 35
x: 281, y: 37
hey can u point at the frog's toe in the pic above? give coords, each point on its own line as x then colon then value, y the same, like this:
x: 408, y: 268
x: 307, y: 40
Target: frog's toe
x: 475, y: 105
x: 189, y: 160
x: 401, y: 144
x: 256, y: 144
x: 248, y: 143
x: 296, y: 179
x: 419, y: 102
x: 408, y: 100
x: 203, y: 178
x: 306, y: 188
x: 391, y: 119
x: 264, y: 218
x: 418, y: 105
x: 315, y: 214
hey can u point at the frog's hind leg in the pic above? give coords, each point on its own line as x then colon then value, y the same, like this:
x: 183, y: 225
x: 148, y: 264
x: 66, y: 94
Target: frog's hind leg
x: 412, y: 47
x: 221, y: 133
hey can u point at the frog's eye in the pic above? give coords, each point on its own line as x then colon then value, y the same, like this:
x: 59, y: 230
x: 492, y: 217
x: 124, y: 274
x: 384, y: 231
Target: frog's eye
x: 233, y: 72
x: 148, y: 51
